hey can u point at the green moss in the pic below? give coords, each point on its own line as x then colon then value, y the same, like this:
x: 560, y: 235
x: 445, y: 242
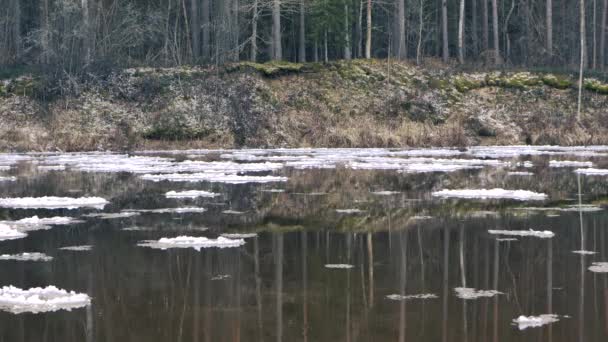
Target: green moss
x: 352, y: 71
x: 269, y: 69
x: 595, y: 85
x: 437, y: 83
x: 464, y: 84
x: 557, y: 81
x: 174, y: 127
x: 522, y: 80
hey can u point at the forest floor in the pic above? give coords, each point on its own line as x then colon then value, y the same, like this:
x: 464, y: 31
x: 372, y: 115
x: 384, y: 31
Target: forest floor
x: 361, y: 103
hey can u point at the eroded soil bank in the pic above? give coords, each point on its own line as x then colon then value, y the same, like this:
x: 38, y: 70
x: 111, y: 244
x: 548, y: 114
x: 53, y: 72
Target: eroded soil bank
x: 360, y: 103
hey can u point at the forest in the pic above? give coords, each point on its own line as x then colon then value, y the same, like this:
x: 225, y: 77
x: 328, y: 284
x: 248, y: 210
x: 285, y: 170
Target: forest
x: 72, y: 36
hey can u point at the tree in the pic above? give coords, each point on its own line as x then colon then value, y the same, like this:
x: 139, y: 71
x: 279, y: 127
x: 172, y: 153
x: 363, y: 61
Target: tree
x: 368, y: 39
x: 582, y: 58
x: 302, y: 49
x: 603, y: 29
x: 277, y: 49
x: 444, y: 30
x: 195, y: 29
x: 549, y: 18
x: 401, y: 49
x: 485, y: 36
x: 497, y: 59
x: 347, y: 46
x: 461, y: 33
x: 206, y: 28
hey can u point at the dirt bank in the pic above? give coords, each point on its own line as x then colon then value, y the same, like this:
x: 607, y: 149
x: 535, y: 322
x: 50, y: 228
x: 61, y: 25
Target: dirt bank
x: 341, y: 104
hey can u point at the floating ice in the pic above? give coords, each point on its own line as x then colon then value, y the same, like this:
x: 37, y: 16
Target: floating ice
x: 51, y: 167
x: 339, y: 266
x: 8, y: 233
x: 525, y: 322
x: 506, y: 239
x: 7, y: 179
x: 36, y: 300
x: 26, y: 257
x: 470, y: 293
x: 240, y: 236
x: 45, y: 221
x: 570, y: 163
x: 533, y: 233
x: 82, y: 248
x: 385, y: 193
x: 52, y: 202
x: 592, y: 172
x: 583, y: 208
x: 399, y: 297
x: 583, y: 252
x: 519, y: 195
x: 184, y: 210
x: 233, y: 212
x: 599, y: 267
x: 213, y: 178
x: 220, y: 277
x: 421, y: 217
x: 192, y: 242
x: 190, y: 194
x: 273, y: 190
x: 111, y: 216
x: 520, y: 173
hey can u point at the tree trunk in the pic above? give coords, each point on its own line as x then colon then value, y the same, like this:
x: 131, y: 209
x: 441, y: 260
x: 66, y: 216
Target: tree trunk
x: 550, y: 29
x: 420, y: 27
x: 603, y: 35
x: 87, y: 34
x: 347, y: 46
x: 401, y: 50
x: 582, y: 59
x: 475, y: 29
x: 360, y: 30
x: 45, y: 26
x: 594, y: 28
x: 326, y: 49
x: 195, y: 27
x: 277, y: 49
x: 302, y: 50
x: 485, y: 33
x: 461, y: 33
x: 497, y: 59
x: 254, y: 32
x: 444, y: 30
x: 206, y: 27
x: 368, y: 39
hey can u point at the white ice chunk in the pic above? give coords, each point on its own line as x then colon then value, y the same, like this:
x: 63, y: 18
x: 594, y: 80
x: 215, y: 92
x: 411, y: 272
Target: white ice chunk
x: 520, y: 173
x: 533, y: 233
x: 385, y: 193
x: 53, y: 202
x: 525, y: 322
x: 213, y: 178
x: 183, y: 210
x: 26, y: 257
x: 584, y: 252
x: 51, y: 167
x: 8, y: 233
x: 592, y: 172
x: 599, y: 267
x: 46, y: 221
x: 196, y: 243
x: 470, y: 293
x: 7, y: 179
x: 36, y: 300
x: 190, y: 194
x: 519, y: 195
x: 233, y: 212
x: 111, y: 216
x: 82, y: 248
x: 240, y: 235
x: 339, y: 266
x: 399, y: 297
x: 570, y: 163
x: 349, y: 211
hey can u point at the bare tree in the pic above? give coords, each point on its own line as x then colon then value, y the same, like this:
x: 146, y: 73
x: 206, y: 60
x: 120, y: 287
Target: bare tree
x: 444, y: 30
x: 277, y: 48
x: 253, y: 56
x: 549, y: 18
x: 347, y: 45
x: 603, y: 35
x: 302, y: 50
x: 368, y: 39
x: 485, y: 36
x: 206, y: 28
x: 87, y: 33
x: 497, y: 58
x: 461, y: 33
x: 401, y: 49
x: 474, y: 29
x: 195, y: 29
x: 582, y: 58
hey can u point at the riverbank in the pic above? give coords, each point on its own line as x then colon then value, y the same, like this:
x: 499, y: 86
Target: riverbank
x: 362, y: 103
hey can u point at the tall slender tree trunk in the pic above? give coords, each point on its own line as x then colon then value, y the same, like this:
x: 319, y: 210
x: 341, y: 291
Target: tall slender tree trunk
x: 603, y: 35
x: 277, y: 48
x: 368, y: 38
x: 302, y: 50
x: 325, y: 48
x: 594, y: 28
x: 253, y: 56
x: 475, y: 28
x: 549, y: 19
x: 347, y: 45
x: 235, y: 30
x: 485, y: 32
x: 87, y: 35
x: 582, y: 58
x: 359, y: 32
x: 497, y: 58
x: 45, y: 25
x: 461, y: 32
x: 401, y: 50
x: 195, y: 28
x: 444, y: 30
x: 316, y: 48
x: 206, y: 28
x: 420, y: 27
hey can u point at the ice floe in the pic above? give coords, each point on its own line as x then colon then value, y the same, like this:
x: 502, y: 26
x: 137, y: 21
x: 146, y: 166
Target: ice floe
x: 525, y: 322
x: 349, y: 211
x: 26, y: 257
x: 533, y: 233
x: 196, y: 243
x: 470, y: 293
x: 7, y: 179
x: 273, y: 190
x: 570, y: 208
x: 592, y: 172
x: 111, y: 216
x: 9, y: 233
x: 51, y: 167
x: 240, y: 235
x: 519, y: 195
x: 81, y: 248
x: 37, y: 300
x: 213, y: 178
x: 339, y: 266
x: 190, y: 194
x: 183, y: 210
x: 570, y: 163
x: 399, y: 297
x: 520, y: 173
x: 46, y: 221
x: 584, y: 252
x: 599, y: 267
x: 233, y: 212
x: 53, y: 202
x: 220, y: 277
x: 385, y: 193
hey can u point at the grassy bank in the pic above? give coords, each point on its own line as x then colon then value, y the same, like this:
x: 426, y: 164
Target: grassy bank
x: 362, y: 103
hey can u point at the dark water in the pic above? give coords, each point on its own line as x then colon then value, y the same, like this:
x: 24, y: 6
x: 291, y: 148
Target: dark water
x: 276, y: 288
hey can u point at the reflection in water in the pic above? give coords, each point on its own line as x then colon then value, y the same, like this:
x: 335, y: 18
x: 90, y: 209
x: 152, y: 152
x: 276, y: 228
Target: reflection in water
x: 276, y: 287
